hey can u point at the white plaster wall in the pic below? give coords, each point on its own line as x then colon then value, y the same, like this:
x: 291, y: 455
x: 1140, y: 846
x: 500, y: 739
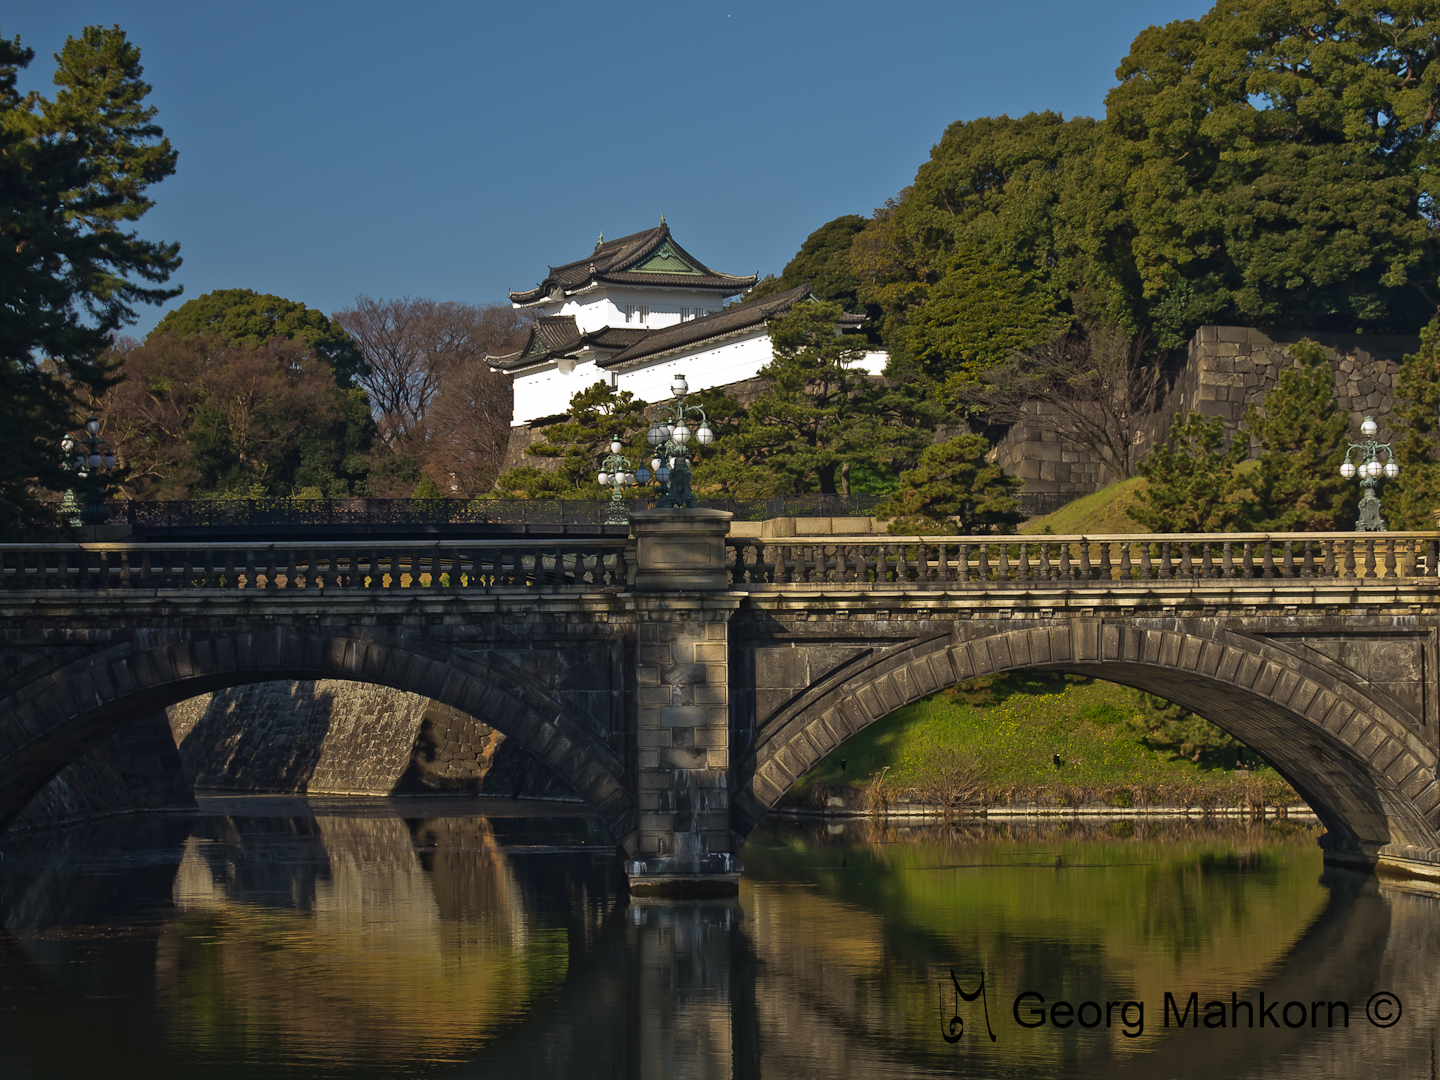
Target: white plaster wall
x: 729, y: 361
x: 596, y: 310
x: 547, y: 392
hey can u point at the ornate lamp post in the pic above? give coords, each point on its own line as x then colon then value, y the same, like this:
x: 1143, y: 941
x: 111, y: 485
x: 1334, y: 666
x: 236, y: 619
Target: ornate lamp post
x: 670, y: 435
x: 95, y: 454
x: 615, y: 474
x: 1370, y: 467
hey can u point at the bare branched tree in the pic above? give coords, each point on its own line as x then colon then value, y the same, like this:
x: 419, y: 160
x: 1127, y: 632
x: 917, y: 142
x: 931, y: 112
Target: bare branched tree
x: 469, y: 424
x: 411, y: 344
x: 1094, y: 387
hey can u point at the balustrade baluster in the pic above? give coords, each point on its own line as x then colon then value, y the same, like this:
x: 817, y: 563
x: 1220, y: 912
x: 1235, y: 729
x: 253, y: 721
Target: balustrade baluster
x: 1268, y: 564
x: 1002, y: 562
x: 782, y: 563
x: 1390, y: 558
x: 1307, y: 561
x: 902, y: 565
x: 272, y: 575
x: 1328, y: 558
x: 1432, y: 558
x: 1187, y: 561
x: 1349, y: 558
x: 292, y: 573
x: 1126, y: 568
x: 1065, y: 571
x: 1247, y: 560
x: 1167, y: 566
x: 1022, y: 563
x: 1106, y: 569
x: 1045, y: 562
x: 145, y: 572
x: 232, y: 575
x: 1287, y: 564
x: 1370, y: 556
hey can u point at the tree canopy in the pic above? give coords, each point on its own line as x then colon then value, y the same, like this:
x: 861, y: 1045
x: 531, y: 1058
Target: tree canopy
x: 75, y: 169
x: 244, y: 317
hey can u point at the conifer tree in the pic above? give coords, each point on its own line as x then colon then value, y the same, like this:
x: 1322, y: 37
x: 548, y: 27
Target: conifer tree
x: 954, y: 490
x: 1192, y: 481
x: 73, y: 172
x: 1302, y: 435
x: 1417, y: 440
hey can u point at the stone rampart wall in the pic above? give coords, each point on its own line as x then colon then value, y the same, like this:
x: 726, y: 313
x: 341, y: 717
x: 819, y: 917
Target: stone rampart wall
x: 137, y: 768
x: 1227, y: 369
x: 335, y: 737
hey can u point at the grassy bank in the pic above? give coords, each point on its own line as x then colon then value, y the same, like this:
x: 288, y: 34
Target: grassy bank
x: 1104, y: 511
x: 995, y: 742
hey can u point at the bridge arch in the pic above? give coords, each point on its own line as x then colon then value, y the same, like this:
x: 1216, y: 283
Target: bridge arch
x: 58, y: 711
x: 1358, y: 759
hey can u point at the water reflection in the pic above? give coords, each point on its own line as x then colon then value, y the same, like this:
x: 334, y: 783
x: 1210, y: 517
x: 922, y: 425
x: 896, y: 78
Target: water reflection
x: 274, y: 937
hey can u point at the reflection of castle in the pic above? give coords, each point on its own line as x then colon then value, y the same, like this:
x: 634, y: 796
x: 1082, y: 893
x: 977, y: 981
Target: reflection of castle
x: 634, y: 312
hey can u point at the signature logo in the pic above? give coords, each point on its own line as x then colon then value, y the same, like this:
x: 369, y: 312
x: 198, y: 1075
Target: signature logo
x: 954, y: 1028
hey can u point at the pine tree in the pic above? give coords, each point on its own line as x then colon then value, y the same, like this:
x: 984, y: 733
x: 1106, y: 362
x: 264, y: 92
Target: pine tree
x: 953, y: 489
x: 1302, y: 435
x: 1417, y: 442
x: 1193, y: 483
x: 73, y: 171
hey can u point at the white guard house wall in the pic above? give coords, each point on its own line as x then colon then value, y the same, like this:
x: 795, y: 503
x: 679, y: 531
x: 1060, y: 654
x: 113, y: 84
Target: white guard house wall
x: 597, y: 308
x: 547, y: 391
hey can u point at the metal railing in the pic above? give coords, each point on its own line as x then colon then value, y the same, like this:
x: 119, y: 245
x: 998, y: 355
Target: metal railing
x: 1098, y: 561
x: 214, y: 513
x: 536, y: 566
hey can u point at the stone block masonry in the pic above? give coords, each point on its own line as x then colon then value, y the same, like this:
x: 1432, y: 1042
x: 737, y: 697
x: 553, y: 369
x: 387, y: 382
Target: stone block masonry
x: 683, y: 731
x: 336, y: 737
x: 1226, y: 370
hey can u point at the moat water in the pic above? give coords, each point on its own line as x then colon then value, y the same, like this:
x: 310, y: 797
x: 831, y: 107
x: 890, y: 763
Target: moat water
x: 275, y: 937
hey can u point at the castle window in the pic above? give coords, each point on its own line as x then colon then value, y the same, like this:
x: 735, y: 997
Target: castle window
x: 684, y: 313
x: 629, y: 312
x: 644, y: 313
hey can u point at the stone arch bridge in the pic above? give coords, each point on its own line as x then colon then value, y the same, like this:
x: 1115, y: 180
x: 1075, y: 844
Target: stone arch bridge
x: 681, y: 681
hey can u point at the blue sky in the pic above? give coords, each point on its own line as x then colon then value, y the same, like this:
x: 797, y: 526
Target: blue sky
x: 453, y: 150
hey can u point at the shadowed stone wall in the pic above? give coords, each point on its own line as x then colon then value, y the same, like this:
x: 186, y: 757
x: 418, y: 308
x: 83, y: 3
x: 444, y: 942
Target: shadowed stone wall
x: 1228, y: 368
x: 137, y: 768
x: 337, y: 737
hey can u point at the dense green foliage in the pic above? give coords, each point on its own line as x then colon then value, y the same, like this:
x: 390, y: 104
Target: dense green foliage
x: 1197, y: 482
x: 247, y: 318
x: 597, y: 415
x: 1417, y: 439
x: 954, y: 490
x: 824, y: 261
x: 1303, y: 436
x: 821, y: 414
x: 1268, y: 164
x: 1193, y: 484
x: 74, y: 171
x: 199, y: 416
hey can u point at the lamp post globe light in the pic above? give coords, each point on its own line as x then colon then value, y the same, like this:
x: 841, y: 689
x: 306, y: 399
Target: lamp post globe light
x: 91, y: 455
x: 670, y: 435
x: 615, y: 473
x: 1373, y: 460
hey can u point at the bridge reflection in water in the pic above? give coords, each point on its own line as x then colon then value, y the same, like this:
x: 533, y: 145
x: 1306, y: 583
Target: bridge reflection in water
x: 273, y: 937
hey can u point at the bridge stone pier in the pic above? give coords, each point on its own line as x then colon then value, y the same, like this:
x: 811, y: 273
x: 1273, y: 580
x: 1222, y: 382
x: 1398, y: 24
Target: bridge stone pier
x: 681, y: 681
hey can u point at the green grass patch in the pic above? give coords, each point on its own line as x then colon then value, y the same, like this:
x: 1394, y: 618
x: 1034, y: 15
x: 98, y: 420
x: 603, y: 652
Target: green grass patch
x: 1010, y: 729
x: 1096, y: 514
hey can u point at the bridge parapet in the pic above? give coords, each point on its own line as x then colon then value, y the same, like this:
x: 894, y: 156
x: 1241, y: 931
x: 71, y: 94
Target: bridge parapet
x: 1098, y: 561
x: 526, y: 566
